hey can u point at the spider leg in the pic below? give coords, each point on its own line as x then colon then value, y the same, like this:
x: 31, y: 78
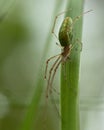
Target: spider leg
x: 78, y: 17
x: 56, y: 107
x: 79, y: 42
x: 50, y: 73
x: 55, y: 69
x: 81, y: 45
x: 47, y: 62
x: 59, y: 45
x: 53, y: 28
x: 54, y: 89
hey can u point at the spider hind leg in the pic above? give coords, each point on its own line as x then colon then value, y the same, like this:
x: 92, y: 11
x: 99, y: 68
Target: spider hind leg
x: 50, y: 75
x: 47, y: 62
x: 54, y: 72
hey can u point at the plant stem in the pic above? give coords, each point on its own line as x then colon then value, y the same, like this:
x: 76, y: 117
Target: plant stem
x: 70, y: 74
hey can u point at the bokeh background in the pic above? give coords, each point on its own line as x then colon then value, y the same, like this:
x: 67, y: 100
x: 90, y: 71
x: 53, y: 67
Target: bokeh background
x: 25, y: 27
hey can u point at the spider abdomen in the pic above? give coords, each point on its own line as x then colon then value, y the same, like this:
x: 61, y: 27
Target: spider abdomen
x: 65, y: 32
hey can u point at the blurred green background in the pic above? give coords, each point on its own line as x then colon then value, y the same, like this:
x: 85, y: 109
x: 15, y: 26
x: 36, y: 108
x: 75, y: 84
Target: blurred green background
x: 25, y: 28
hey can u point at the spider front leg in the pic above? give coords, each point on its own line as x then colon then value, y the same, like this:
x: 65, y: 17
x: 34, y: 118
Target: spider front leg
x: 53, y: 28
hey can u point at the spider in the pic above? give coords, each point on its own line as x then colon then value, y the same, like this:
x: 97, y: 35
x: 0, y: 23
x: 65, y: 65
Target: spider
x: 65, y: 38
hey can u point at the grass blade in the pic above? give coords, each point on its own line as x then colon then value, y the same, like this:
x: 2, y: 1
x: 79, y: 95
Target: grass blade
x: 69, y: 87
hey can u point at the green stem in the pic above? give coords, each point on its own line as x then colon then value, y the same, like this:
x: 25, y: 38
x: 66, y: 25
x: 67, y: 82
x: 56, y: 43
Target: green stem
x: 70, y: 74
